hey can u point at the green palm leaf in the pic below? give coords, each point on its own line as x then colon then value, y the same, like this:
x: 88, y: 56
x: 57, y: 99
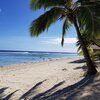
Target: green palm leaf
x: 37, y: 4
x: 44, y: 21
x: 66, y: 25
x: 78, y: 45
x: 89, y: 2
x: 89, y: 22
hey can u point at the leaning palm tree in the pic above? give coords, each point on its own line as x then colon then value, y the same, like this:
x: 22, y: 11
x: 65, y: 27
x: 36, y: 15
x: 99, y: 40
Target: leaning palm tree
x: 83, y: 15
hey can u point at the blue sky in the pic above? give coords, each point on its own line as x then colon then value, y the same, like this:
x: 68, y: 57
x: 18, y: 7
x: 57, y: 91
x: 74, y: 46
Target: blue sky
x: 15, y: 19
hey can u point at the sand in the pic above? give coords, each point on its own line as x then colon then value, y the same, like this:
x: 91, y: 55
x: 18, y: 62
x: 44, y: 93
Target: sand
x: 36, y: 78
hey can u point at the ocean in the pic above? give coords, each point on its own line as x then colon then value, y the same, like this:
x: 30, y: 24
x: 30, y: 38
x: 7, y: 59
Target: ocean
x: 18, y: 57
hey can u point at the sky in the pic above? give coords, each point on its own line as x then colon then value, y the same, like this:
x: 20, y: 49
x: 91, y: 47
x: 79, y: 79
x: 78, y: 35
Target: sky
x: 15, y: 20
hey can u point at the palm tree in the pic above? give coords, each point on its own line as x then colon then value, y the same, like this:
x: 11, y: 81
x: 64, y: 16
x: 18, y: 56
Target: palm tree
x: 83, y: 15
x: 89, y: 41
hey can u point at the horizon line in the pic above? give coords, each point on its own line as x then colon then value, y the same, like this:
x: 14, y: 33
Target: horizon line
x: 35, y: 51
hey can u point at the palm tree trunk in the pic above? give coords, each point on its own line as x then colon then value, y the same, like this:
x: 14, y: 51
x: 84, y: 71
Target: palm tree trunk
x: 91, y: 66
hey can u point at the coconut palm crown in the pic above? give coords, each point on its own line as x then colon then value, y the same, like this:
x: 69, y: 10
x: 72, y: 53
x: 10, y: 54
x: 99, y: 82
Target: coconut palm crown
x: 83, y: 14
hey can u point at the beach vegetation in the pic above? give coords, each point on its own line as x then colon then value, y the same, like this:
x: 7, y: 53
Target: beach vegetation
x: 83, y: 14
x: 97, y: 53
x: 90, y: 50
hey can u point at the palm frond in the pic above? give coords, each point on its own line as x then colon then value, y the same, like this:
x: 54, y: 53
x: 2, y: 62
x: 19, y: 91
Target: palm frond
x: 44, y: 21
x: 88, y: 2
x: 66, y: 25
x: 89, y: 20
x: 78, y: 45
x: 79, y: 48
x: 37, y: 4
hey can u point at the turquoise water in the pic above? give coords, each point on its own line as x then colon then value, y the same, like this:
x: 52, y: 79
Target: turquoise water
x: 8, y: 58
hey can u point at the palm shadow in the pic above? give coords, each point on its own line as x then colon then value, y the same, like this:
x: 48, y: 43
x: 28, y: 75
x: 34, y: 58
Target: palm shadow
x: 10, y: 95
x: 2, y: 90
x: 3, y: 96
x: 84, y: 67
x: 65, y: 93
x: 78, y: 61
x: 30, y: 92
x: 91, y: 91
x: 48, y: 92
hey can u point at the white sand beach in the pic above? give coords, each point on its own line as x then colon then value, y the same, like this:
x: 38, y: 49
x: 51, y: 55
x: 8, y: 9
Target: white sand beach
x: 36, y: 78
x: 23, y: 77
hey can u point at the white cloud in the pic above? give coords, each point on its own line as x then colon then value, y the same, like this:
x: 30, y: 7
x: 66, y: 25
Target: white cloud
x: 57, y: 40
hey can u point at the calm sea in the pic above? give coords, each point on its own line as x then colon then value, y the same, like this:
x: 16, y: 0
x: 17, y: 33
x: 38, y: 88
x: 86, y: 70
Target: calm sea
x: 17, y: 57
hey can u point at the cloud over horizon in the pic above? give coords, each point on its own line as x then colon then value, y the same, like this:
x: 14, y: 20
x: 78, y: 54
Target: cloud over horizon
x: 57, y: 40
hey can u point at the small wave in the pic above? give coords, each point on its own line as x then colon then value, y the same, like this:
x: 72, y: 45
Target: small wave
x: 14, y: 52
x: 25, y: 52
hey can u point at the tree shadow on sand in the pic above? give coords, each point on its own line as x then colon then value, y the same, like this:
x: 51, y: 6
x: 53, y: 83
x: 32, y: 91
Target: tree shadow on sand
x: 84, y: 67
x: 2, y: 90
x: 30, y: 92
x: 3, y: 96
x: 72, y: 92
x: 48, y: 92
x: 91, y: 91
x: 78, y: 61
x: 86, y: 89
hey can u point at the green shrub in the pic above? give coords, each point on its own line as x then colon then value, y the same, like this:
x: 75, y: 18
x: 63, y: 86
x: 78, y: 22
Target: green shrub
x: 97, y: 53
x: 90, y: 50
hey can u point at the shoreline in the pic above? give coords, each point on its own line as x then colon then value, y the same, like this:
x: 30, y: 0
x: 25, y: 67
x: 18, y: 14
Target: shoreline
x: 20, y: 58
x: 45, y: 60
x: 23, y: 77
